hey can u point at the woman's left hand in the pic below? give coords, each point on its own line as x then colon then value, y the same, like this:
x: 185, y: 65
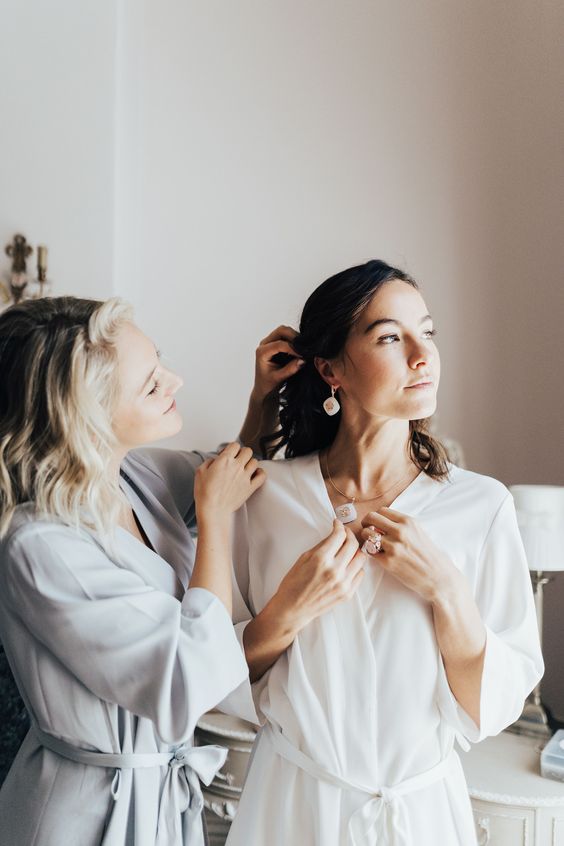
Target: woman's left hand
x: 269, y: 374
x: 408, y: 554
x: 262, y: 413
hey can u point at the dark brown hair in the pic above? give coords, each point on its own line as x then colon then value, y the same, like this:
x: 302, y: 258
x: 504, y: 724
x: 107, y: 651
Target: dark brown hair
x: 327, y: 318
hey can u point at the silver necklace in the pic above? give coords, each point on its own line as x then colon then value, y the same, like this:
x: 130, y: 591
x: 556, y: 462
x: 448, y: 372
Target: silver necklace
x: 347, y: 513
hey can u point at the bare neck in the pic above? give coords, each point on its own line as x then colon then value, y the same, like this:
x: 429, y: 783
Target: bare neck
x: 370, y: 454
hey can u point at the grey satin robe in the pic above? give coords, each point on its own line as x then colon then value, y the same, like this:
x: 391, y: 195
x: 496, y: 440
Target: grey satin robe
x: 110, y: 655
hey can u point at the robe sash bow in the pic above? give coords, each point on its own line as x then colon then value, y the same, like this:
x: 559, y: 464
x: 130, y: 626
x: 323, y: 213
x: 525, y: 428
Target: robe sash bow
x: 181, y: 803
x: 383, y: 819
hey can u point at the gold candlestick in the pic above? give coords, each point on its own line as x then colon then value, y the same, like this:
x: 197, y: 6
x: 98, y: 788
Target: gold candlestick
x: 19, y: 251
x: 42, y: 267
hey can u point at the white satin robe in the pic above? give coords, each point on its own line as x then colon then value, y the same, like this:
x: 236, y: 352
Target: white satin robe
x: 115, y: 656
x: 362, y: 691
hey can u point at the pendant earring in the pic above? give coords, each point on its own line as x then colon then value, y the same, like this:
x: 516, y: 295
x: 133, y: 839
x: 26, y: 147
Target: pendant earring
x: 331, y: 405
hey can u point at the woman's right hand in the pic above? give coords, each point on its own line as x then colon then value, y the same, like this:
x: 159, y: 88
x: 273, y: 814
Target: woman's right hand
x: 322, y: 577
x: 224, y: 483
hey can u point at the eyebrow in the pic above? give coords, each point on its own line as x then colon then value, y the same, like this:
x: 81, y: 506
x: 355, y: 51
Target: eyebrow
x: 391, y: 320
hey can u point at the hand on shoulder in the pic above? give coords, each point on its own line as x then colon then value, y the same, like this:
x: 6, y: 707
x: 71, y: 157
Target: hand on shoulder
x: 224, y: 483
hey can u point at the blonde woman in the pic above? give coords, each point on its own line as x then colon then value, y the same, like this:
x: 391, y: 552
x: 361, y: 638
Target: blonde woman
x: 118, y: 633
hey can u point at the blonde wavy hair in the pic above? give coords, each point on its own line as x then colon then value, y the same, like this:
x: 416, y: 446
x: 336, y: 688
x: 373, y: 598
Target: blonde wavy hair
x: 58, y: 391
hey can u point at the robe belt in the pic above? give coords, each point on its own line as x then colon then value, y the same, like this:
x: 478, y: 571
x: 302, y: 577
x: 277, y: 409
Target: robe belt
x: 382, y: 820
x: 181, y: 793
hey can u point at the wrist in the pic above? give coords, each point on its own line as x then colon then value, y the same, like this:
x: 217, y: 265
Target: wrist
x: 256, y: 400
x: 213, y: 519
x: 448, y: 593
x: 284, y: 620
x: 259, y: 400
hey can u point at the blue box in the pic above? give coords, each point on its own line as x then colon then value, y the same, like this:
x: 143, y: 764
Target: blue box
x: 552, y: 757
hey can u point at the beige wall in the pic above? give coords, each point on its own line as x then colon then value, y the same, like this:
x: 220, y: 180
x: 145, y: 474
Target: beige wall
x: 235, y: 154
x: 57, y: 93
x: 265, y: 146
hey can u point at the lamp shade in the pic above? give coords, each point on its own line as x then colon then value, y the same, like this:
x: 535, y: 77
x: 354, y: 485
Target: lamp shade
x: 540, y: 515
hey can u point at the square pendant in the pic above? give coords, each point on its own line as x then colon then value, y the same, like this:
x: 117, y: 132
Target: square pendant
x: 346, y: 513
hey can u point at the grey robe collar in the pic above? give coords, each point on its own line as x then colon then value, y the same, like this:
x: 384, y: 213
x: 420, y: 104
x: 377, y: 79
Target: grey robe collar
x: 172, y: 560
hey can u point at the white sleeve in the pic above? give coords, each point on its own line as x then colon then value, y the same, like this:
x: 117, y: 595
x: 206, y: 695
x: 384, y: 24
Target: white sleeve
x: 244, y: 701
x: 513, y: 662
x: 127, y: 642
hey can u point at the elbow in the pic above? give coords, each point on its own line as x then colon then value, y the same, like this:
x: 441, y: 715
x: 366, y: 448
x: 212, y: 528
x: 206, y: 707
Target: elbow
x: 175, y: 722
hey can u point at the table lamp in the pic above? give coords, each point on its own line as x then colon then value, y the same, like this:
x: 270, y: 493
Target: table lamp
x: 540, y: 515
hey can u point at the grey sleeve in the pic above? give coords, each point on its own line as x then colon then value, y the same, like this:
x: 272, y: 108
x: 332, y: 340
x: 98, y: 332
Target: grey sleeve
x: 127, y: 642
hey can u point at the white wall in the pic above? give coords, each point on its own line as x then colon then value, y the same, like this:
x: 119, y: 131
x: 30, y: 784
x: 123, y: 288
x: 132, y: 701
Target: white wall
x: 57, y: 66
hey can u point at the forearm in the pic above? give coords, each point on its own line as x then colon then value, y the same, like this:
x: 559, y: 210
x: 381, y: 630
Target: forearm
x: 265, y: 638
x: 261, y: 419
x: 461, y: 636
x: 212, y: 567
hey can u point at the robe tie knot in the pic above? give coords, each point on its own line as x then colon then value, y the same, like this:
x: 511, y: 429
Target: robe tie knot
x: 387, y: 795
x: 181, y: 802
x: 383, y: 819
x: 187, y: 767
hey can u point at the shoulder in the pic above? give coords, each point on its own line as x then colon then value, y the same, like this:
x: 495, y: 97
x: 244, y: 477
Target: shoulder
x: 141, y: 461
x: 176, y: 468
x: 284, y: 472
x: 28, y: 524
x: 34, y: 541
x: 158, y: 462
x: 168, y: 474
x: 291, y: 483
x: 474, y: 497
x: 284, y: 467
x: 476, y: 484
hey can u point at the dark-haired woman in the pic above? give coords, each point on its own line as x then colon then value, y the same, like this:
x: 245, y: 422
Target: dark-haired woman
x: 117, y: 629
x: 361, y: 700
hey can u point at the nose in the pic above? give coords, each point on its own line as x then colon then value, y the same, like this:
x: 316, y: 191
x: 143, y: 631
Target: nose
x: 172, y: 382
x: 420, y: 356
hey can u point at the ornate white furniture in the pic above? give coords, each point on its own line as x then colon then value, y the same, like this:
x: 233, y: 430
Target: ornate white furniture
x: 221, y: 798
x: 513, y: 805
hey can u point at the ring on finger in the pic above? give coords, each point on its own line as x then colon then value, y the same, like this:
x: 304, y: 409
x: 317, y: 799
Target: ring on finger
x: 374, y: 543
x: 375, y: 537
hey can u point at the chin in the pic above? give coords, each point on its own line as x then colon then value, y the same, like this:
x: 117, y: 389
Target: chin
x: 422, y: 410
x: 176, y: 423
x: 172, y: 425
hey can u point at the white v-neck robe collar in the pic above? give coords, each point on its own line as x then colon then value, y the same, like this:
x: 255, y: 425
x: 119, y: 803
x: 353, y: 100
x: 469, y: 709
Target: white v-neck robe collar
x: 310, y: 484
